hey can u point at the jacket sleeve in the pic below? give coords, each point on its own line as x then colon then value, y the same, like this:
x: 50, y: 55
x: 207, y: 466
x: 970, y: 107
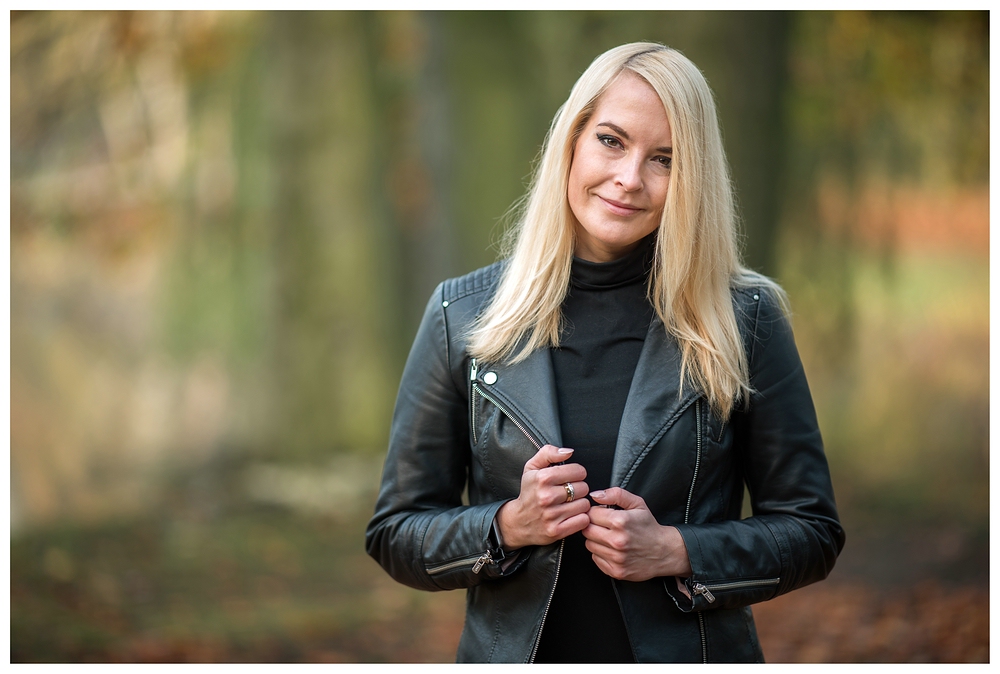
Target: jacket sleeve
x: 794, y: 535
x: 421, y: 533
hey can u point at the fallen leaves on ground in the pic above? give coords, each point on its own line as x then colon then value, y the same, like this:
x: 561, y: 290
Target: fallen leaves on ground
x: 856, y: 622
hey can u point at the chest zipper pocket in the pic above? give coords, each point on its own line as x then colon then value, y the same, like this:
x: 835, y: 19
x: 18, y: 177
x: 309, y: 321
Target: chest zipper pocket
x: 477, y: 390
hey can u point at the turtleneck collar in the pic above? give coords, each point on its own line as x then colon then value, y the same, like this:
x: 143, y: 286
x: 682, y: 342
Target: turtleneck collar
x: 633, y: 267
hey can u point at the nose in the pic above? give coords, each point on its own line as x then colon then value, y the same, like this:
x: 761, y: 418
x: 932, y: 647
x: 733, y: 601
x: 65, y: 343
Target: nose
x: 629, y: 176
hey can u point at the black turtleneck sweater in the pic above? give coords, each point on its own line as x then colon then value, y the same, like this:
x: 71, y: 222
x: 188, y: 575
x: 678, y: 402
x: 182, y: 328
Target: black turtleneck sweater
x: 606, y: 316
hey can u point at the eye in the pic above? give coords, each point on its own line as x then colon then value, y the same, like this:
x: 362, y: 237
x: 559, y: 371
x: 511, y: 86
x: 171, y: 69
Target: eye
x: 663, y: 160
x: 609, y: 141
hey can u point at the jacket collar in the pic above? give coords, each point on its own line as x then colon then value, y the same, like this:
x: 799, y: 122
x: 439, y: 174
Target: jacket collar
x: 528, y: 390
x: 654, y: 402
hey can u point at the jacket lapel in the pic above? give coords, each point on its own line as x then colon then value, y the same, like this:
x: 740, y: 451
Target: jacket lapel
x: 653, y: 402
x: 528, y: 389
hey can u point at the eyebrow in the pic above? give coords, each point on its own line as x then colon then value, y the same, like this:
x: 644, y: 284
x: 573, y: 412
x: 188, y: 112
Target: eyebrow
x: 621, y: 132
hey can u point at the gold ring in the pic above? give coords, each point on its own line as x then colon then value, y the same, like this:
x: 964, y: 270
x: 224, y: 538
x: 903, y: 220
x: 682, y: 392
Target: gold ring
x: 570, y: 492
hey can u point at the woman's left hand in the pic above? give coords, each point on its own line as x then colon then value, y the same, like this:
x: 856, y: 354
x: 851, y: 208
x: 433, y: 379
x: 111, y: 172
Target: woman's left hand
x: 629, y: 544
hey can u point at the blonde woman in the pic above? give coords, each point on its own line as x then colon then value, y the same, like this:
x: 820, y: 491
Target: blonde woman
x: 603, y: 395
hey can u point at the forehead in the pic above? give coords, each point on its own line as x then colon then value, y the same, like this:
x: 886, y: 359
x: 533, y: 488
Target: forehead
x: 631, y: 103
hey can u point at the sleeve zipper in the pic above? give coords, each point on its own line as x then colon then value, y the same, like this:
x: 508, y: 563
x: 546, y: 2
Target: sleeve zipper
x: 702, y: 589
x: 706, y: 590
x: 487, y: 558
x: 477, y: 562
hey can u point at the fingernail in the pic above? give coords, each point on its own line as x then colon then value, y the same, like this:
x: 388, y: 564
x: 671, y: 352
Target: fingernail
x: 565, y: 450
x: 597, y: 494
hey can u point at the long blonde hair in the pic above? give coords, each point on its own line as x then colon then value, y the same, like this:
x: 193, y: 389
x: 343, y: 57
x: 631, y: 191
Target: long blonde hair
x: 696, y: 260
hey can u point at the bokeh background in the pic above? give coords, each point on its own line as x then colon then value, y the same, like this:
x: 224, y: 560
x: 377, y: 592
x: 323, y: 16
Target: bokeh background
x: 224, y: 227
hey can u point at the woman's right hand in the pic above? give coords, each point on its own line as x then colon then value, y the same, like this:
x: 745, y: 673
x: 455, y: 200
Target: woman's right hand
x: 541, y: 514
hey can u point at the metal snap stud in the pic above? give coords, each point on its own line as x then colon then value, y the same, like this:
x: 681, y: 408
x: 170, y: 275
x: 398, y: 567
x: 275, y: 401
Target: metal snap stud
x: 445, y: 303
x: 490, y: 378
x: 756, y: 297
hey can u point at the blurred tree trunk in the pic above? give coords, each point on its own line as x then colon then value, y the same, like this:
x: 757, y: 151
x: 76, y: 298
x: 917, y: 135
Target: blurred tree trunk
x: 754, y: 127
x: 744, y: 56
x: 331, y: 381
x: 413, y: 130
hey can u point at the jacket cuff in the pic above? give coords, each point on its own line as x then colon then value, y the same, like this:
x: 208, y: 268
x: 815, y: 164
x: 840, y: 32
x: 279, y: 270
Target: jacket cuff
x: 683, y: 602
x: 506, y: 563
x: 699, y: 569
x: 721, y: 578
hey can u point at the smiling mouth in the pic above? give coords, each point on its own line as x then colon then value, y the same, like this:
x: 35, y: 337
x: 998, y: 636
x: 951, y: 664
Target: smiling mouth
x: 618, y: 207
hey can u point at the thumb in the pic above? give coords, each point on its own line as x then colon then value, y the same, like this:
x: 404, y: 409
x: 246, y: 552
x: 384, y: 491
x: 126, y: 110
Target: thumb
x: 619, y: 497
x: 546, y: 456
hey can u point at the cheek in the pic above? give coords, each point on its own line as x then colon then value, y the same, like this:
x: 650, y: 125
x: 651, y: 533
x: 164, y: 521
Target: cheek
x: 576, y: 185
x: 661, y: 194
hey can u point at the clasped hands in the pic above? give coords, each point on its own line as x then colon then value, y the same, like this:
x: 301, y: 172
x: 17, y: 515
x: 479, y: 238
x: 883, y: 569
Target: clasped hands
x: 628, y: 544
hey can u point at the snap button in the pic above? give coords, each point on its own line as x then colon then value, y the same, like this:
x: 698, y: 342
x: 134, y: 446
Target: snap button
x: 490, y: 378
x: 756, y: 297
x: 444, y: 304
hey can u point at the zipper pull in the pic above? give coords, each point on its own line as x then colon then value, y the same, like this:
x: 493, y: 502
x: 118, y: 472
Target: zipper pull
x: 699, y: 588
x: 472, y: 371
x: 487, y: 558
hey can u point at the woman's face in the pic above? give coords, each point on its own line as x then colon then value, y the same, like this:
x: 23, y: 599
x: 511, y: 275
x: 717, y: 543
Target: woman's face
x: 620, y: 171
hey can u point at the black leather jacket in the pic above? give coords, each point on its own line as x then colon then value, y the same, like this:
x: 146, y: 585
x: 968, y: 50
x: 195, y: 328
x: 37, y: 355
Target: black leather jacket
x: 460, y: 424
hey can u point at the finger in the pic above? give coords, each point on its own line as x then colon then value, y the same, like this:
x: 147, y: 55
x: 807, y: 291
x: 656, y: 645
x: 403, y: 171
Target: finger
x: 609, y: 555
x: 606, y: 517
x: 611, y: 562
x: 593, y: 532
x: 568, y: 472
x: 566, y: 510
x: 619, y: 497
x: 558, y: 493
x: 546, y: 456
x: 605, y: 566
x: 572, y: 525
x: 580, y: 491
x: 561, y: 527
x: 599, y: 535
x: 614, y: 543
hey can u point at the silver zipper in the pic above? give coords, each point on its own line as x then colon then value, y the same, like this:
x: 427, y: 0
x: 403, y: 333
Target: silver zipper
x: 704, y: 643
x: 702, y: 588
x: 697, y: 459
x: 722, y: 430
x: 687, y: 516
x: 545, y: 614
x: 472, y: 377
x: 507, y: 413
x: 477, y: 561
x: 487, y: 558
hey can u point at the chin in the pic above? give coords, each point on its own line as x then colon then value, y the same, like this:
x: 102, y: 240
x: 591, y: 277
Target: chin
x: 620, y: 239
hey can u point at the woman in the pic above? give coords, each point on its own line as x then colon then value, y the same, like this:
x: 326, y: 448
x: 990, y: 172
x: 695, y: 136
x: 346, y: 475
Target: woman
x: 604, y: 394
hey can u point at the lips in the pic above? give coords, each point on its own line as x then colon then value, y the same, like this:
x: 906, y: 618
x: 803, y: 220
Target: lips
x: 618, y: 207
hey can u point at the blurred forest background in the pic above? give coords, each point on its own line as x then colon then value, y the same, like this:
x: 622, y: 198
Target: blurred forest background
x: 224, y: 227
